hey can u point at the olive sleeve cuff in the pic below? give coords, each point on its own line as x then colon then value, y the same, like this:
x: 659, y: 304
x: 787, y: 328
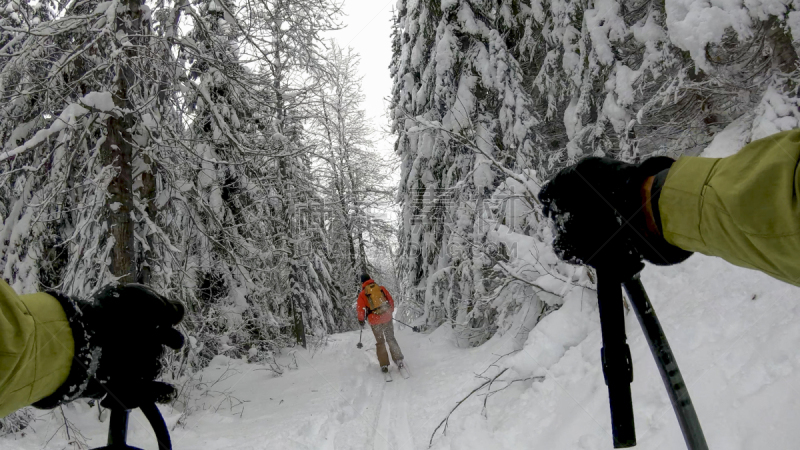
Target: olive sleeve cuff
x: 681, y: 201
x: 54, y: 346
x: 743, y: 208
x: 83, y: 361
x: 36, y: 348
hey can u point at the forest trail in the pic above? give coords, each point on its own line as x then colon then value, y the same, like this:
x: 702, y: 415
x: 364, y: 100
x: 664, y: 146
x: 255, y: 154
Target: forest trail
x: 336, y: 397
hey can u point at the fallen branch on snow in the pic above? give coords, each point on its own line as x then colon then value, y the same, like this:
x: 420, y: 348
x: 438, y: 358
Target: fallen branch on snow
x: 447, y: 418
x: 490, y: 392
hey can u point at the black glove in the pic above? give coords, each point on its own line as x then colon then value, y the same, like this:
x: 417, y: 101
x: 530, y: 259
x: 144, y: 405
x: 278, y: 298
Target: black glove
x: 361, y: 322
x: 599, y: 216
x: 119, y: 339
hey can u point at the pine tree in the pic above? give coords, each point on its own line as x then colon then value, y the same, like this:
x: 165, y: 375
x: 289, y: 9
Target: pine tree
x: 463, y: 119
x: 492, y: 98
x: 76, y: 78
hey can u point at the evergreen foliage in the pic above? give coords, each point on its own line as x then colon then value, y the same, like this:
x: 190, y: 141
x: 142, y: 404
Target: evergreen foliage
x: 491, y: 98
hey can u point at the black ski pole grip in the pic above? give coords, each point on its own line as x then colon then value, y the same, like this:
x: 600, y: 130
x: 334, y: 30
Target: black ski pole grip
x: 667, y: 365
x: 616, y: 358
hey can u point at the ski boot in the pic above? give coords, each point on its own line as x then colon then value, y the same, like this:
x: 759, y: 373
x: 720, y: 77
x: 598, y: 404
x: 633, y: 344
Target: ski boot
x: 401, y: 366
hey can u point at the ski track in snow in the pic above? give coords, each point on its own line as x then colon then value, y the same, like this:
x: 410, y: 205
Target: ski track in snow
x: 392, y: 431
x: 405, y: 440
x: 380, y: 440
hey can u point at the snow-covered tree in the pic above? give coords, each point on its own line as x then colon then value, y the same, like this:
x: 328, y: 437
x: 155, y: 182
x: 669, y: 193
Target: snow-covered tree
x: 492, y: 98
x: 219, y: 189
x: 165, y: 144
x: 71, y: 142
x: 356, y: 177
x: 463, y: 118
x: 632, y: 78
x: 287, y: 39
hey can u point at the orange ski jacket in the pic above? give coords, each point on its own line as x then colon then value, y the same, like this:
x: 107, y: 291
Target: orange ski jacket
x: 363, y: 306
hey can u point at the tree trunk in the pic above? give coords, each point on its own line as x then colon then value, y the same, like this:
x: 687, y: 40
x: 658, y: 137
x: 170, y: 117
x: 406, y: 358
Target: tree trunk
x: 148, y: 194
x: 117, y: 152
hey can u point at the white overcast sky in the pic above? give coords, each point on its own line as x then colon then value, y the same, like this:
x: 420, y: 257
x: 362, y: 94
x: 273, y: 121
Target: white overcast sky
x: 368, y: 31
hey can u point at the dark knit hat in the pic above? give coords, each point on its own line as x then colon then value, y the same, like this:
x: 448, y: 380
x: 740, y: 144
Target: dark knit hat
x: 365, y: 277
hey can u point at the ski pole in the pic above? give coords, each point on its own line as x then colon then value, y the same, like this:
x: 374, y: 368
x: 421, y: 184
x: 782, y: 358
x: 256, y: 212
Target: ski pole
x: 118, y: 428
x: 617, y: 363
x: 616, y: 357
x: 366, y: 316
x: 667, y: 365
x: 414, y: 329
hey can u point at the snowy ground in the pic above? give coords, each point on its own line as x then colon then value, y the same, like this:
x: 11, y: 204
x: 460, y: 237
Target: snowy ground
x: 735, y: 333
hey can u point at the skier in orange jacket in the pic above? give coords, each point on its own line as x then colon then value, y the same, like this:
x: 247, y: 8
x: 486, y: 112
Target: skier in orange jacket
x: 376, y: 305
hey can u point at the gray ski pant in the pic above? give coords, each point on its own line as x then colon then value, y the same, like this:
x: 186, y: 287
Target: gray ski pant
x: 384, y: 334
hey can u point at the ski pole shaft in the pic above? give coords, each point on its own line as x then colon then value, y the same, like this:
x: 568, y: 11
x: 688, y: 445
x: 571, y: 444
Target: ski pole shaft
x: 616, y: 358
x: 414, y: 329
x: 118, y: 427
x: 668, y: 366
x: 401, y: 323
x: 160, y: 429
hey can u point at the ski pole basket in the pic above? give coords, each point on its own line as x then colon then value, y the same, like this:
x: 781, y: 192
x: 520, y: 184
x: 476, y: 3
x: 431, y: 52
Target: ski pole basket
x: 118, y: 428
x: 617, y: 363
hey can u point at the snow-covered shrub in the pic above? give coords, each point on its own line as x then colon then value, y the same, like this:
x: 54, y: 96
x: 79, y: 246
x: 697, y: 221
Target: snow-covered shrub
x: 16, y: 421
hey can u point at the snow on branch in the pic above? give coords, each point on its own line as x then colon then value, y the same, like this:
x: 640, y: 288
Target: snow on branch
x: 93, y: 101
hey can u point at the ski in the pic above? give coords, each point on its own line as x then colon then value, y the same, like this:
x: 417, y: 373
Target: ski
x: 387, y: 376
x: 404, y: 372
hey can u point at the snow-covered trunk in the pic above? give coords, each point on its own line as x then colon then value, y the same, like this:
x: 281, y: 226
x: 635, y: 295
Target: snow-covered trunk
x: 347, y: 221
x: 288, y: 192
x: 117, y: 150
x: 117, y: 153
x: 358, y: 229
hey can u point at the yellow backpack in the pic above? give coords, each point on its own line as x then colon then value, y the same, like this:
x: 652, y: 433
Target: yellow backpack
x: 378, y: 304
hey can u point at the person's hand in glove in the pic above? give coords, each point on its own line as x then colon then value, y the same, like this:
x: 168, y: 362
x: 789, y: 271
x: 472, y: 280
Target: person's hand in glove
x: 119, y: 337
x: 361, y: 322
x: 606, y: 214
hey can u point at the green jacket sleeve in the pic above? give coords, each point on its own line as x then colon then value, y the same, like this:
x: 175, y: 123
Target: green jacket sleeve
x: 36, y: 348
x: 744, y: 208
